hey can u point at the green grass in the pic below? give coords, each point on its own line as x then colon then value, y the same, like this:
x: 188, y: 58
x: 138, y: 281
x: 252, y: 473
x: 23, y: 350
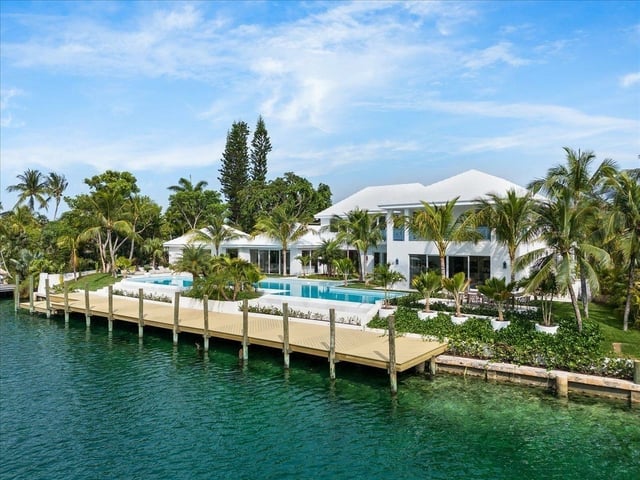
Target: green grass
x: 94, y: 281
x: 610, y: 325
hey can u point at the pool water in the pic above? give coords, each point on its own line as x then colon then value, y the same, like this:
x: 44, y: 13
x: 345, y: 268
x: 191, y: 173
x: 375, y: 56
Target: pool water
x: 86, y: 403
x: 321, y: 290
x: 179, y: 281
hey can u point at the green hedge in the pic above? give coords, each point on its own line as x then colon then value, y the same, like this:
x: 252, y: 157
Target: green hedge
x: 519, y: 343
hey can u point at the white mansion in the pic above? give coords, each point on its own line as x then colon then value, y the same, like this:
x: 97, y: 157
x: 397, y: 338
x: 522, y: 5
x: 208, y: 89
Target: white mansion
x: 406, y: 253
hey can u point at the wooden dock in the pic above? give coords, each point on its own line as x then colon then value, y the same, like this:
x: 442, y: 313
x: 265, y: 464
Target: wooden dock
x: 351, y: 345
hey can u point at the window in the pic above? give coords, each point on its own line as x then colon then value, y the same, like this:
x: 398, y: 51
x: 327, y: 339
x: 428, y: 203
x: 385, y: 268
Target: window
x: 485, y: 232
x: 398, y: 234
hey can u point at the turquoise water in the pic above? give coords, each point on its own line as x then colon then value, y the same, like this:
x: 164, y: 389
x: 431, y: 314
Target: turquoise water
x: 321, y: 290
x: 80, y: 403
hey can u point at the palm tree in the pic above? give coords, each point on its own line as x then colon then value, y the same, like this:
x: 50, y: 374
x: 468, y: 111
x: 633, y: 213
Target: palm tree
x: 344, y: 266
x: 282, y: 227
x: 195, y: 259
x: 456, y: 286
x: 329, y: 251
x: 625, y: 225
x: 72, y: 242
x: 305, y: 260
x: 512, y: 218
x: 109, y: 211
x: 427, y: 283
x: 217, y: 232
x: 385, y: 276
x: 439, y: 224
x: 561, y: 226
x: 362, y: 230
x: 185, y: 185
x: 155, y: 249
x: 575, y: 180
x: 498, y: 290
x: 32, y: 187
x: 237, y: 271
x: 56, y: 184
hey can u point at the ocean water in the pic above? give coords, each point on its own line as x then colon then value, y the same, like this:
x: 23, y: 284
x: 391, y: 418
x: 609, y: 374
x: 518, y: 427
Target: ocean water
x: 78, y: 403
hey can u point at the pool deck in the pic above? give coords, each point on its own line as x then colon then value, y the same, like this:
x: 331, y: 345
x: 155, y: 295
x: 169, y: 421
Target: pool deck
x: 352, y: 345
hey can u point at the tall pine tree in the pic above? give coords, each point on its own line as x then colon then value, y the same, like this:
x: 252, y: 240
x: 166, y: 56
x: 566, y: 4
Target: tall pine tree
x: 234, y: 171
x: 260, y: 148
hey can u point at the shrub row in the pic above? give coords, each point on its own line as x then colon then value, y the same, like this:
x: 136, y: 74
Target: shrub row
x: 519, y: 343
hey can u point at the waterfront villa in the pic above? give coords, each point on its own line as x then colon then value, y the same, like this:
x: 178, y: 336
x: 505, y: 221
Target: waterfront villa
x: 400, y: 248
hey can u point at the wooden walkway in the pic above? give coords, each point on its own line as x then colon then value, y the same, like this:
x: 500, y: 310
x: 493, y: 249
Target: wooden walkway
x: 351, y: 345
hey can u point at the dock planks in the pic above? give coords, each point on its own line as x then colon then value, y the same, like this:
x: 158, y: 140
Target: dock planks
x: 352, y: 345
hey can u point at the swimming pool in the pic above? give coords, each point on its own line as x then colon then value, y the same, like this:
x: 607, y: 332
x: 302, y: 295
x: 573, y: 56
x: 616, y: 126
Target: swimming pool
x: 174, y: 280
x: 322, y: 290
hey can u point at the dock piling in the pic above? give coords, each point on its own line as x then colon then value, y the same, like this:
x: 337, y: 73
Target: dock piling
x: 110, y: 310
x: 31, y: 305
x: 562, y: 386
x: 285, y: 333
x: 47, y: 300
x: 433, y: 366
x: 332, y: 344
x: 205, y: 314
x: 245, y: 331
x: 87, y: 306
x: 393, y: 376
x: 140, y: 313
x: 66, y: 303
x: 176, y: 317
x: 16, y: 293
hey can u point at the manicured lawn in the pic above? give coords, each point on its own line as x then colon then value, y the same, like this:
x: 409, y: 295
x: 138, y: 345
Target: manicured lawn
x: 94, y: 281
x: 610, y: 325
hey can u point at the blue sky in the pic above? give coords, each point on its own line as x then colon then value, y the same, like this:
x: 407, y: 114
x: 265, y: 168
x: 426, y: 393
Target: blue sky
x: 353, y: 94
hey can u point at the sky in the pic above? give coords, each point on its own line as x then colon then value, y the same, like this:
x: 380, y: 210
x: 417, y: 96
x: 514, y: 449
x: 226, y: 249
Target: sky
x: 352, y: 93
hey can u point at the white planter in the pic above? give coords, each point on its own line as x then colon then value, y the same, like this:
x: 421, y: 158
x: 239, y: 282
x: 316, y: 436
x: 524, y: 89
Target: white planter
x: 422, y: 315
x: 385, y: 312
x: 499, y: 324
x: 551, y: 330
x: 458, y: 320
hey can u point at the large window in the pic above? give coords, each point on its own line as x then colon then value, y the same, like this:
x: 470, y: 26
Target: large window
x: 479, y: 269
x: 422, y: 263
x: 458, y: 264
x: 268, y: 260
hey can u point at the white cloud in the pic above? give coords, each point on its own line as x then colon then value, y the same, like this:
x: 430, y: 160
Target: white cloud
x: 6, y: 117
x: 630, y: 79
x: 499, y: 53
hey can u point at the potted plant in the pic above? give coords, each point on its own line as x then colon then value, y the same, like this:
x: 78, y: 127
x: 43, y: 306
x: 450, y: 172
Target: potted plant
x: 456, y: 286
x: 427, y: 283
x: 545, y: 290
x: 499, y: 291
x: 385, y: 276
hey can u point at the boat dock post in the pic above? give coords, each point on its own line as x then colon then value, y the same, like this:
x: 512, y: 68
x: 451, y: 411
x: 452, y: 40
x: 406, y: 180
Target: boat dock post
x: 31, y: 305
x: 110, y: 309
x: 176, y: 317
x: 87, y: 306
x: 393, y: 376
x: 140, y: 313
x: 47, y: 300
x: 285, y: 334
x: 205, y: 314
x: 245, y: 331
x: 332, y: 343
x: 16, y: 293
x: 66, y: 303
